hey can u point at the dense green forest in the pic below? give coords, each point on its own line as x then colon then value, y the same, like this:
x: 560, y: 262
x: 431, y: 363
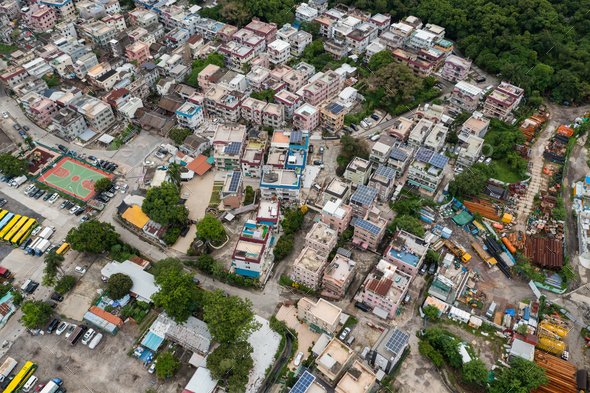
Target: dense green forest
x: 541, y: 45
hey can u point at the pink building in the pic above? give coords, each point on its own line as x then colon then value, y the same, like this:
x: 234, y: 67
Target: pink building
x: 385, y: 288
x: 263, y: 60
x: 139, y: 52
x: 369, y: 231
x: 206, y: 76
x: 322, y: 89
x: 321, y: 238
x: 291, y: 102
x: 294, y: 80
x: 407, y: 252
x: 456, y: 68
x: 226, y: 32
x: 307, y: 117
x: 309, y: 267
x: 42, y: 109
x: 337, y: 215
x: 266, y: 30
x: 43, y: 19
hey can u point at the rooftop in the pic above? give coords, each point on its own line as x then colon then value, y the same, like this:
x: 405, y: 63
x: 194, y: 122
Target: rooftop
x: 248, y: 250
x: 306, y: 110
x: 322, y: 309
x: 364, y: 195
x: 282, y: 177
x: 334, y: 357
x: 321, y: 233
x: 311, y: 259
x: 268, y: 210
x: 407, y: 248
x: 226, y: 133
x: 336, y: 208
x: 356, y: 380
x: 358, y: 163
x: 337, y: 187
x: 340, y: 268
x: 468, y: 88
x: 279, y: 45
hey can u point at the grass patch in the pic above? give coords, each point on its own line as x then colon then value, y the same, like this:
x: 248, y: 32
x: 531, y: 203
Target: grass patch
x: 6, y: 48
x: 506, y: 174
x: 215, y: 198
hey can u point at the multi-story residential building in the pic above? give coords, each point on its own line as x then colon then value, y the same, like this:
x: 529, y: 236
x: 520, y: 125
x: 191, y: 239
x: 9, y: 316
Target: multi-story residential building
x: 381, y: 22
x: 465, y: 97
x: 98, y: 33
x: 116, y: 21
x: 358, y: 379
x: 291, y: 102
x: 257, y: 78
x: 252, y: 110
x: 325, y: 26
x: 331, y: 116
x: 373, y: 48
x: 42, y: 109
x: 64, y: 9
x: 438, y: 31
x: 380, y: 153
x: 305, y: 13
x: 432, y: 112
x: 28, y: 99
x: 142, y: 18
x: 68, y: 123
x: 361, y: 37
x: 306, y: 117
x: 437, y: 137
x: 444, y: 45
x: 232, y: 190
x: 279, y: 52
x: 299, y: 41
x: 476, y: 125
x: 252, y: 161
x: 98, y: 115
x: 369, y: 231
x: 333, y: 362
x: 470, y: 150
x: 320, y: 315
x: 85, y: 64
x: 322, y: 88
x: 422, y: 39
x: 427, y: 169
x: 338, y: 50
x: 337, y: 189
x: 273, y: 115
x: 195, y: 145
x: 177, y: 36
x: 348, y: 97
x: 106, y: 80
x: 37, y: 67
x: 71, y: 47
x: 10, y: 8
x: 419, y: 133
x: 19, y: 57
x: 336, y: 215
x: 309, y: 266
x: 320, y: 5
x: 456, y: 68
x: 418, y: 66
x: 111, y: 6
x: 389, y: 350
x: 503, y: 100
x: 432, y: 55
x: 266, y: 30
x: 13, y: 76
x: 261, y: 61
x: 362, y: 200
x: 251, y: 249
x: 30, y: 85
x: 280, y: 184
x: 252, y: 40
x: 43, y: 19
x: 67, y: 30
x: 229, y: 142
x: 321, y: 238
x: 383, y: 180
x: 268, y: 212
x: 358, y: 171
x: 337, y: 276
x: 397, y: 37
x: 138, y: 52
x: 406, y: 252
x: 304, y: 68
x: 285, y: 32
x: 195, y: 43
x: 226, y: 33
x: 228, y: 105
x: 209, y: 76
x: 117, y: 98
x: 127, y: 110
x: 385, y: 289
x: 400, y: 158
x: 236, y: 55
x: 190, y: 115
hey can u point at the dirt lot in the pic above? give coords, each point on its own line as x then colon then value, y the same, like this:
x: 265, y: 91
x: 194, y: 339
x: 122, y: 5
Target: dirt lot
x: 305, y: 337
x: 82, y: 370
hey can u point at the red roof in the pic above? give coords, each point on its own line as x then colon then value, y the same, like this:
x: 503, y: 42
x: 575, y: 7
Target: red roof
x: 380, y: 287
x: 199, y: 165
x: 107, y: 316
x: 193, y: 39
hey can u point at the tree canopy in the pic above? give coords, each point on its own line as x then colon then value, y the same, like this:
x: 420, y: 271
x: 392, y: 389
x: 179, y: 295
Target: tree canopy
x: 53, y: 262
x: 161, y: 205
x: 178, y: 135
x: 292, y: 221
x: 210, y: 228
x: 166, y: 365
x: 409, y: 224
x: 199, y: 65
x: 284, y: 246
x: 168, y: 263
x: 103, y: 184
x: 523, y: 376
x: 35, y: 314
x: 177, y: 294
x: 475, y: 372
x: 92, y: 236
x: 119, y: 285
x: 232, y: 360
x: 264, y: 95
x: 431, y: 312
x: 13, y: 166
x: 229, y: 319
x: 472, y: 181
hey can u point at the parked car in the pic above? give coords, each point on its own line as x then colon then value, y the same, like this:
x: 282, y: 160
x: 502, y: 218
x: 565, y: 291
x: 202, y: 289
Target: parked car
x: 109, y: 194
x: 92, y: 158
x: 3, y: 202
x: 160, y: 155
x: 53, y: 325
x: 47, y: 196
x: 40, y: 194
x: 57, y: 297
x: 344, y: 334
x: 70, y: 330
x: 374, y: 117
x: 149, y: 163
x: 481, y: 159
x: 321, y: 149
x: 16, y: 127
x: 84, y: 219
x: 63, y: 204
x: 311, y: 148
x: 26, y: 243
x: 488, y: 161
x: 50, y: 303
x: 317, y: 162
x: 124, y: 188
x: 432, y: 268
x: 61, y: 390
x: 36, y: 231
x: 196, y: 281
x: 80, y: 269
x: 62, y: 148
x: 5, y: 115
x: 88, y: 336
x: 369, y: 122
x: 79, y: 212
x: 152, y: 367
x: 423, y: 269
x: 22, y: 134
x: 32, y: 287
x: 481, y: 79
x: 53, y: 198
x: 74, y: 209
x: 363, y: 124
x: 298, y: 359
x: 354, y: 126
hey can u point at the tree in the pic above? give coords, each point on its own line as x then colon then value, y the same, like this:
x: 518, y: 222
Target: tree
x: 64, y: 284
x: 53, y: 262
x: 178, y: 135
x: 165, y: 264
x: 475, y: 372
x: 477, y: 217
x: 409, y: 224
x: 119, y: 285
x: 103, y: 184
x: 177, y: 294
x: 431, y: 312
x: 250, y: 194
x: 52, y: 80
x: 523, y: 264
x: 210, y: 228
x: 93, y: 237
x: 232, y: 361
x: 166, y: 365
x: 312, y: 28
x: 313, y: 50
x: 522, y: 330
x: 36, y: 314
x: 205, y: 263
x: 174, y: 173
x: 264, y: 95
x: 29, y: 141
x: 235, y: 12
x: 380, y: 60
x: 292, y: 221
x: 523, y: 376
x: 229, y: 319
x: 13, y: 166
x: 432, y: 257
x: 284, y: 246
x: 407, y: 206
x: 161, y: 205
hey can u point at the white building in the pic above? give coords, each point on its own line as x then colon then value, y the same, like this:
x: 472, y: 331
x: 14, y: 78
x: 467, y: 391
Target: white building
x: 128, y: 109
x: 373, y: 48
x: 306, y: 13
x: 421, y: 39
x: 279, y: 52
x: 190, y: 115
x: 299, y: 41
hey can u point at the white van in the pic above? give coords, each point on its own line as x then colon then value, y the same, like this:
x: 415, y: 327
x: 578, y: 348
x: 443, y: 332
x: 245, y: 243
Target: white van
x: 95, y: 341
x: 26, y: 284
x: 490, y: 312
x: 30, y: 384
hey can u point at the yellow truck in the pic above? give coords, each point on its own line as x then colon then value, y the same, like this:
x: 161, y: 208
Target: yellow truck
x: 457, y: 250
x: 491, y: 261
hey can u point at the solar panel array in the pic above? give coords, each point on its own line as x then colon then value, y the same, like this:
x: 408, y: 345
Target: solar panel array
x: 424, y: 155
x: 367, y: 226
x: 365, y: 195
x: 397, y: 341
x: 385, y: 171
x: 233, y: 148
x: 439, y: 161
x: 304, y: 383
x: 399, y: 154
x: 435, y: 159
x: 336, y: 108
x: 296, y: 137
x: 235, y: 181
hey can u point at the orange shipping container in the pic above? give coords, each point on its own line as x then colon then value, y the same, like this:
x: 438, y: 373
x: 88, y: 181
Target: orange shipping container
x: 508, y: 245
x: 565, y: 131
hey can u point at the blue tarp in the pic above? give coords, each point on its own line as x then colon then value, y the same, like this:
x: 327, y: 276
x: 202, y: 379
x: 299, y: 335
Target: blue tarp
x: 527, y: 313
x: 143, y: 354
x: 510, y: 312
x: 247, y: 273
x: 152, y: 341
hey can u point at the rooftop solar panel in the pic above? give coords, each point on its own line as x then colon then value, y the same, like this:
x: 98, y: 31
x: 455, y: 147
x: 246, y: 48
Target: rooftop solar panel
x: 233, y: 148
x: 397, y: 341
x: 365, y: 195
x: 296, y: 137
x: 438, y: 160
x: 386, y: 172
x: 336, y: 108
x: 399, y: 154
x: 424, y: 155
x: 235, y: 181
x: 304, y: 383
x: 367, y: 226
